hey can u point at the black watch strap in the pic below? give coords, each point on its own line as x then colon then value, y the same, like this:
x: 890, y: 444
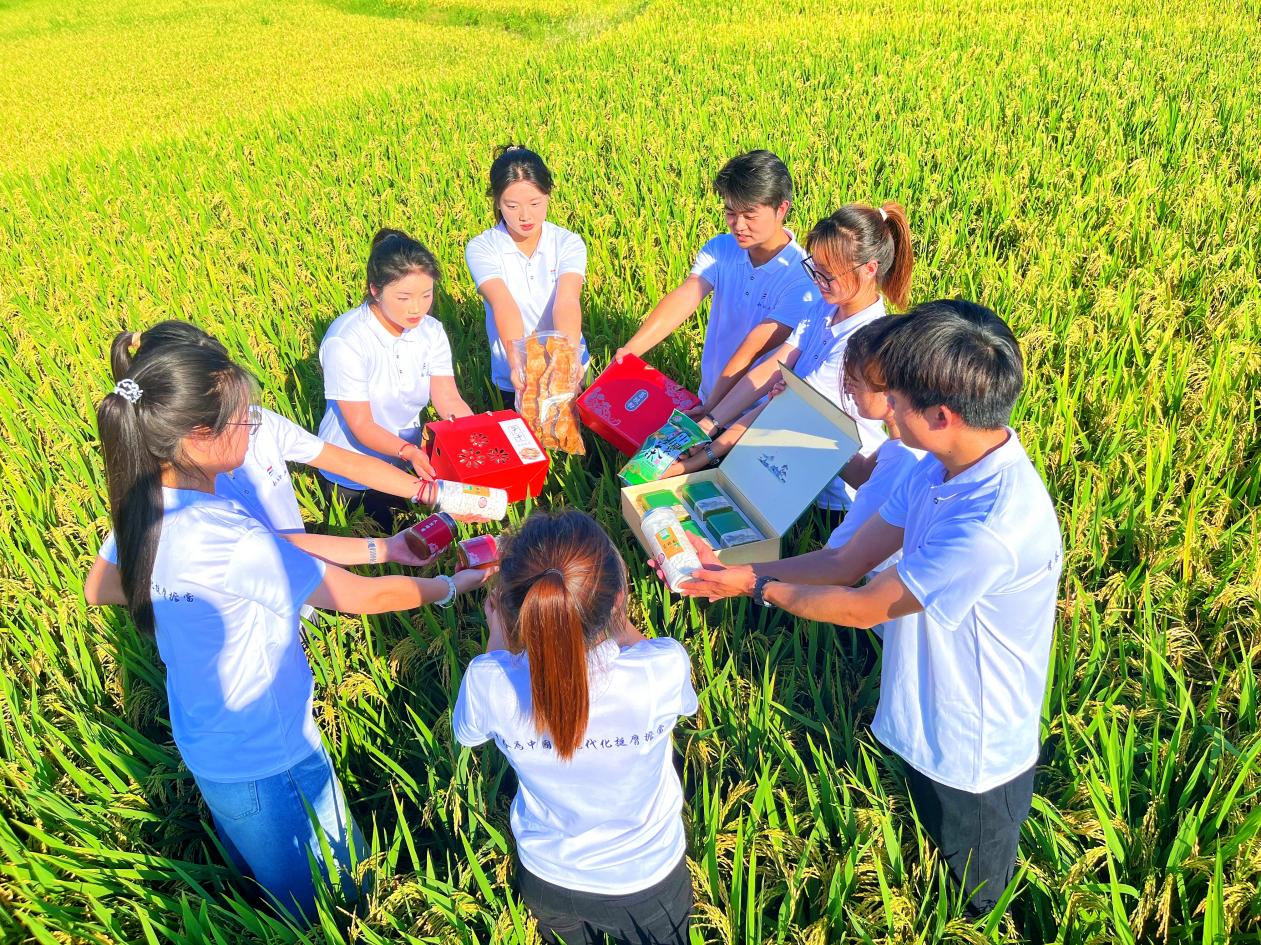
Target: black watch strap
x: 759, y: 589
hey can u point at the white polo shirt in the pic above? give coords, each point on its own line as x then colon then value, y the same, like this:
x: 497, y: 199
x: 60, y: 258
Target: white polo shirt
x: 822, y: 345
x: 531, y: 280
x: 894, y: 462
x: 746, y: 295
x: 226, y: 596
x: 362, y: 361
x: 609, y: 819
x: 963, y: 681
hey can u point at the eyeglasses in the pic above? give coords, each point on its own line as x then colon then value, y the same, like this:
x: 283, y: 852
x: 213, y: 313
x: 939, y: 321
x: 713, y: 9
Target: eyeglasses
x: 254, y: 422
x: 820, y: 278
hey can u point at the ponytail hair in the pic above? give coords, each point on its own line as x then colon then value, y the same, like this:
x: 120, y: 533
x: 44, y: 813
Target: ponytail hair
x: 514, y: 163
x: 175, y: 391
x: 857, y: 233
x: 560, y: 579
x: 395, y: 255
x: 169, y: 332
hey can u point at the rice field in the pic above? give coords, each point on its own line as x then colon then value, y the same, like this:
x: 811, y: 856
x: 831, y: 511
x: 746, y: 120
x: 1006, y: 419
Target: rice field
x: 1090, y: 173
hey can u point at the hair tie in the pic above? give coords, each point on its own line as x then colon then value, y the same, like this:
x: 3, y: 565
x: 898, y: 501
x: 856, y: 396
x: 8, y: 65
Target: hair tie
x: 555, y: 571
x: 883, y: 215
x: 129, y: 390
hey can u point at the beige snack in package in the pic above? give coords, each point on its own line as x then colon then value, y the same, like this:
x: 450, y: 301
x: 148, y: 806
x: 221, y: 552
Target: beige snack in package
x: 548, y: 401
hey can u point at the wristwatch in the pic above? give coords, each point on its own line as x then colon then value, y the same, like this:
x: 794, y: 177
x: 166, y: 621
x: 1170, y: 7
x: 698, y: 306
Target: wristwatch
x: 759, y: 589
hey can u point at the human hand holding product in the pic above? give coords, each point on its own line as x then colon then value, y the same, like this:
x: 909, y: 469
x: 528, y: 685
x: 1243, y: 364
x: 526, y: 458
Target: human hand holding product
x: 671, y: 546
x: 662, y: 449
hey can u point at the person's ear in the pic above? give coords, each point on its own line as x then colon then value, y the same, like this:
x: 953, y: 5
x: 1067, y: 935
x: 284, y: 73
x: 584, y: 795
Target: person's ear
x: 375, y: 292
x: 942, y: 417
x: 781, y: 212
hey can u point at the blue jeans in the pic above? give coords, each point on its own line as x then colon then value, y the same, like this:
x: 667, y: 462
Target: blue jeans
x: 267, y: 830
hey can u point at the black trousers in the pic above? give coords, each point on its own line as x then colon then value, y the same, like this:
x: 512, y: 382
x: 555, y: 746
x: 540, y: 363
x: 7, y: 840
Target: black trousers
x: 976, y: 834
x: 381, y: 507
x: 657, y: 915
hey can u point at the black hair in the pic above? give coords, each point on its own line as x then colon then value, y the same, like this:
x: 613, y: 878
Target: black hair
x: 395, y: 255
x: 754, y: 179
x: 958, y: 354
x: 169, y: 332
x: 857, y: 233
x: 178, y: 389
x: 862, y: 350
x: 516, y: 163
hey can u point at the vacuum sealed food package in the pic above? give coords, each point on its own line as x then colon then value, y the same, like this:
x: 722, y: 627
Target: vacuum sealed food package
x: 706, y: 499
x: 732, y: 528
x: 670, y: 546
x: 677, y: 436
x: 552, y: 368
x: 662, y: 499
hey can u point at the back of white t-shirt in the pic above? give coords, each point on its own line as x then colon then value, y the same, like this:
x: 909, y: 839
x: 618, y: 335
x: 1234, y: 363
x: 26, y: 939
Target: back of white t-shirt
x: 608, y: 820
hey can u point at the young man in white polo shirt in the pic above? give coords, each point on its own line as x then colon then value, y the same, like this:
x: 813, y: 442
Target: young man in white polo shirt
x: 761, y: 291
x: 969, y: 610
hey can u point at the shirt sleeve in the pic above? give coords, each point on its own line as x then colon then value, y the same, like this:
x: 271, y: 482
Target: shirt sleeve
x: 680, y: 698
x: 573, y: 256
x: 440, y: 363
x: 895, y: 506
x: 345, y: 372
x: 796, y: 302
x: 467, y: 723
x: 273, y: 572
x: 798, y: 337
x: 951, y: 571
x: 483, y: 260
x: 709, y: 261
x: 109, y: 549
x: 296, y: 444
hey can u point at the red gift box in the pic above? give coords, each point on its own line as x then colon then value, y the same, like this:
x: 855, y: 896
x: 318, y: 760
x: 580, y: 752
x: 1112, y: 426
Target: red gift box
x: 488, y: 449
x: 630, y: 401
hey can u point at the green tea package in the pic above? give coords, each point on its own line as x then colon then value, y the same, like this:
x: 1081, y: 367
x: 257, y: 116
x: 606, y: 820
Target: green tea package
x: 679, y: 434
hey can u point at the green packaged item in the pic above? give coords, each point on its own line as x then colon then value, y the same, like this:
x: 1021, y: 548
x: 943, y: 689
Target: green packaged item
x: 691, y: 526
x: 661, y: 499
x: 732, y: 528
x: 679, y: 434
x: 706, y: 499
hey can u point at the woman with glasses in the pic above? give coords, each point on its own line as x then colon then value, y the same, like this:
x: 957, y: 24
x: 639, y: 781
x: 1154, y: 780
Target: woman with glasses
x: 261, y: 484
x: 221, y: 593
x: 859, y: 257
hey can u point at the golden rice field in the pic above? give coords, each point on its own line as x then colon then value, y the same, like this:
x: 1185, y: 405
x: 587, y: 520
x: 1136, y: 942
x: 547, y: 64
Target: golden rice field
x: 1093, y: 174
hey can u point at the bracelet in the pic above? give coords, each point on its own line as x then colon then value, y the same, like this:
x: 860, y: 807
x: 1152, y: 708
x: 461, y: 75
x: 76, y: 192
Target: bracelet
x: 399, y: 453
x: 451, y: 591
x: 372, y: 551
x: 710, y: 454
x: 416, y: 499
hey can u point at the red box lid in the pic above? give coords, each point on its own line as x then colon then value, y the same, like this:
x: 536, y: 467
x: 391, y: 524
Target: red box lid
x: 489, y: 449
x: 630, y: 401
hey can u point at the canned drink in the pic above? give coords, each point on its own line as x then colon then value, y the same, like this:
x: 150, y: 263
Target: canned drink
x: 669, y: 544
x: 431, y: 536
x: 479, y: 552
x: 462, y: 498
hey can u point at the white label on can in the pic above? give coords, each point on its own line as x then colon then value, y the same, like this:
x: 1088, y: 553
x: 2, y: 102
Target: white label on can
x: 523, y: 444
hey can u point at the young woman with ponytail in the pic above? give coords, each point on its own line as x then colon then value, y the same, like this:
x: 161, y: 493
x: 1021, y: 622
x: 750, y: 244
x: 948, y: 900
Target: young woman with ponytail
x: 262, y: 484
x: 859, y: 257
x: 583, y: 707
x: 384, y: 361
x: 222, y: 592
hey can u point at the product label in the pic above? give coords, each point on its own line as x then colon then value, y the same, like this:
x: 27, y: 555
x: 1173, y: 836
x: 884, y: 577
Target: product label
x: 523, y: 444
x: 669, y: 542
x: 636, y: 400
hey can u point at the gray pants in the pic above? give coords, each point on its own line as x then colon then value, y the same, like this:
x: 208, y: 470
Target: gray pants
x: 976, y: 834
x: 657, y: 915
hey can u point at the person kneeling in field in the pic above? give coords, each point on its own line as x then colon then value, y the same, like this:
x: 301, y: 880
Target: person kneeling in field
x: 383, y: 361
x: 760, y: 290
x: 262, y: 484
x: 859, y: 255
x: 222, y: 594
x: 968, y: 611
x: 528, y: 271
x: 583, y: 707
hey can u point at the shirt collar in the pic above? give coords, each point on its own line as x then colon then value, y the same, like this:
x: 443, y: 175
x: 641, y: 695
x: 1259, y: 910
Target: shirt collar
x: 383, y: 335
x: 508, y: 246
x: 860, y: 318
x: 986, y: 468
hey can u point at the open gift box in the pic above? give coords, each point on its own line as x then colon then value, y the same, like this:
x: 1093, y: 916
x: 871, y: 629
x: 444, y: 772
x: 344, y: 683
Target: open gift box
x: 488, y: 449
x: 630, y: 401
x: 784, y: 460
